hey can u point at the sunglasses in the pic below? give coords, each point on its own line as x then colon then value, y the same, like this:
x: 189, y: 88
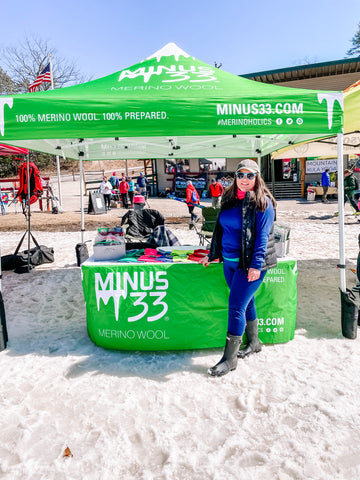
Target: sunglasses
x: 249, y: 176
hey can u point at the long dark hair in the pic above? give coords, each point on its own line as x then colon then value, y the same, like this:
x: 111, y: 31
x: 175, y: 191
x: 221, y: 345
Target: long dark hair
x: 258, y: 195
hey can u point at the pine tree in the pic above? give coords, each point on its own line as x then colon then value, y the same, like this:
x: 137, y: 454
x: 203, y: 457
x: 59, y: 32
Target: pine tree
x: 355, y: 49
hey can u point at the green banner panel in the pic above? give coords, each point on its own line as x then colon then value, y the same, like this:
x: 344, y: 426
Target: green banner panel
x: 178, y: 306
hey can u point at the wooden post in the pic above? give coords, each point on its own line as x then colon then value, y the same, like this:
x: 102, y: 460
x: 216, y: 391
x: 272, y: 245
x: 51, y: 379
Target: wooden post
x: 303, y: 172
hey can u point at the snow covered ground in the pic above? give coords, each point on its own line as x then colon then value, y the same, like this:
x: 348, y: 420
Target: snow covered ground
x: 290, y: 412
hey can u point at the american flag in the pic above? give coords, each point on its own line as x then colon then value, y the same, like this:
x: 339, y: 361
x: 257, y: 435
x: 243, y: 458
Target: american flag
x: 44, y: 76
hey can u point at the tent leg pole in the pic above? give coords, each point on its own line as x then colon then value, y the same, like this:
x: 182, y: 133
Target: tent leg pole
x: 81, y: 154
x: 59, y: 180
x: 259, y: 162
x: 340, y: 166
x: 28, y: 209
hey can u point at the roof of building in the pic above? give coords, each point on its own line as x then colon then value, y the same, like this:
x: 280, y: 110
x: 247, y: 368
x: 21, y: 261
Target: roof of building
x: 337, y: 75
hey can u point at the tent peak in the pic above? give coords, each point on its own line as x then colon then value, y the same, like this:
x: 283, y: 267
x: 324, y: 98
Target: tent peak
x: 168, y: 50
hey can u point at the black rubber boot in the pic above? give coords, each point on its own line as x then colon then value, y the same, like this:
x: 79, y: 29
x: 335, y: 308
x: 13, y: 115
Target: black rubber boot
x: 253, y: 345
x: 228, y: 361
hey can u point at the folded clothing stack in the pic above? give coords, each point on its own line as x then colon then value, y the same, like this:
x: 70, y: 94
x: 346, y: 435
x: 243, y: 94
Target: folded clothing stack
x: 152, y: 255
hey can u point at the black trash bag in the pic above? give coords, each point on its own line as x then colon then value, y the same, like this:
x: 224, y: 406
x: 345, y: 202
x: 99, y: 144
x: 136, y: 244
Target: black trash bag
x: 349, y: 314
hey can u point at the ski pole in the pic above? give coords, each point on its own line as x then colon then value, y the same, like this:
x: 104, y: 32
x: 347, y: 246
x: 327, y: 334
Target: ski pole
x: 184, y: 201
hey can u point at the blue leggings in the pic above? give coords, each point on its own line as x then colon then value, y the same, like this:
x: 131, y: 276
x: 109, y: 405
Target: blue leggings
x: 241, y: 301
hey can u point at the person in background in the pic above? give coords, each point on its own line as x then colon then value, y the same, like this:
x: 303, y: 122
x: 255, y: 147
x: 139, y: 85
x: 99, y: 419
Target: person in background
x: 114, y: 181
x: 131, y: 191
x: 244, y: 240
x: 141, y: 183
x: 216, y: 190
x: 192, y: 199
x: 325, y: 183
x: 105, y: 189
x: 124, y: 188
x: 350, y: 187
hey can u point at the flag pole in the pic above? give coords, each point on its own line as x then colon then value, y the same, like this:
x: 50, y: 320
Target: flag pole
x: 51, y: 73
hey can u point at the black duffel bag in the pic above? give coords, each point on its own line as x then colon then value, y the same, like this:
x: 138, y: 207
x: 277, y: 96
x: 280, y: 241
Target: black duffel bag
x: 38, y: 255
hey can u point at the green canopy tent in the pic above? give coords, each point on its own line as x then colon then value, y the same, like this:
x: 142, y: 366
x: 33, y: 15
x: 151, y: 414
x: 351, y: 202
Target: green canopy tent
x: 169, y: 105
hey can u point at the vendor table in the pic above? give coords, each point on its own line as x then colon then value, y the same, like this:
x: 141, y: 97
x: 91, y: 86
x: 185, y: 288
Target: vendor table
x: 331, y: 191
x: 178, y: 306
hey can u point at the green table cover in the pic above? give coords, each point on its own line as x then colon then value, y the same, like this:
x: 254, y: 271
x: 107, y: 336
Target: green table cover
x: 178, y: 306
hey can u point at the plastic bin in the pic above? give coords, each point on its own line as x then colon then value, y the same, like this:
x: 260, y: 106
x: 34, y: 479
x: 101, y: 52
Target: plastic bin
x: 109, y: 244
x: 282, y: 240
x: 311, y: 194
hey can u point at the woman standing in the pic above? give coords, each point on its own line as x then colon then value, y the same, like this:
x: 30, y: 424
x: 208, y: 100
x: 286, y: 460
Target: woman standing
x: 105, y: 189
x: 244, y: 240
x: 124, y: 188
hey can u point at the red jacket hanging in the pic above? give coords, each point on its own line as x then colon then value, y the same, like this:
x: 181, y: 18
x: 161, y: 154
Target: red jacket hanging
x: 35, y: 183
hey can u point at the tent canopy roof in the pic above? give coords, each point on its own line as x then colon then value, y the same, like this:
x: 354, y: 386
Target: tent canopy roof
x: 301, y: 72
x: 169, y: 105
x: 6, y: 150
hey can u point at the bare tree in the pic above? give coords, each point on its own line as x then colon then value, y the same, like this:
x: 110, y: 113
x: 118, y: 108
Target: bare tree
x: 25, y: 62
x: 7, y: 86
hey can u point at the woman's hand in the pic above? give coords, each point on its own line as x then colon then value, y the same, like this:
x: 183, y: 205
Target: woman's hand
x: 204, y: 261
x: 253, y: 274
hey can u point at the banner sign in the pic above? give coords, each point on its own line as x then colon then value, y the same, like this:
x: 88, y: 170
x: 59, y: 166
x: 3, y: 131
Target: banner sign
x: 319, y: 166
x: 225, y: 179
x: 150, y: 307
x: 198, y: 181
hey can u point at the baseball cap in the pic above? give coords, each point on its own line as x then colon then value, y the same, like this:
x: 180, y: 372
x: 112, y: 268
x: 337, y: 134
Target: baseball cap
x: 248, y: 164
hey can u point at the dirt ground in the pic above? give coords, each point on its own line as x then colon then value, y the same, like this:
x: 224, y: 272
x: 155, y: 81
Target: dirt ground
x: 71, y: 221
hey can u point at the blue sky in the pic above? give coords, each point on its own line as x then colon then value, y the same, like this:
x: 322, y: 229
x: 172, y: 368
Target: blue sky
x: 246, y: 36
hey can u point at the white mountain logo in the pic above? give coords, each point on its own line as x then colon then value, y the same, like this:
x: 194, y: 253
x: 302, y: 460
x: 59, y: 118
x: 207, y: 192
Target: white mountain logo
x: 3, y: 102
x: 330, y: 99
